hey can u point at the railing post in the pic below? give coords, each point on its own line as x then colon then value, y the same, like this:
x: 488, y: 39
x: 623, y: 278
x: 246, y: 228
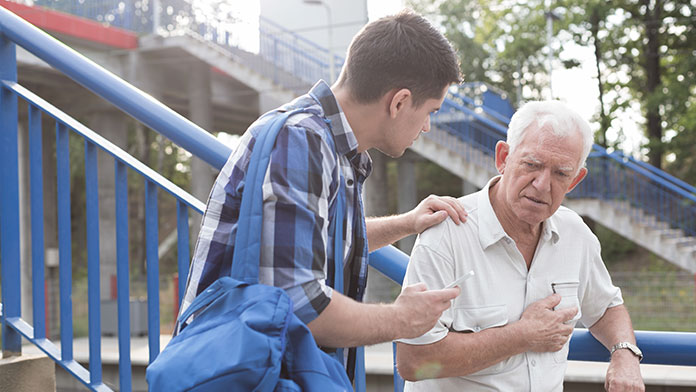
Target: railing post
x: 9, y: 201
x: 93, y: 270
x: 123, y: 277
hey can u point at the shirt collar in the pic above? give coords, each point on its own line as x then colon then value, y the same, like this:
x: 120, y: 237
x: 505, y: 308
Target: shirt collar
x: 344, y: 138
x: 490, y: 229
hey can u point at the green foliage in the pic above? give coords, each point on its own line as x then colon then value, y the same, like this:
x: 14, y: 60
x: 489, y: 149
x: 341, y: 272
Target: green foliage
x: 645, y: 56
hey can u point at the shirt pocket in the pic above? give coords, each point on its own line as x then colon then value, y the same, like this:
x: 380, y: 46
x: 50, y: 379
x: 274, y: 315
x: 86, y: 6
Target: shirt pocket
x: 469, y: 318
x: 477, y: 318
x: 569, y: 298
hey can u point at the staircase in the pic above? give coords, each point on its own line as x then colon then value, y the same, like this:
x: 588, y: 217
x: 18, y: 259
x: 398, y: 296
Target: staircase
x: 473, y: 118
x: 639, y: 202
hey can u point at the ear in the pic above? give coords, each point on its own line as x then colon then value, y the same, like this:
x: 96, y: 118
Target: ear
x: 502, y: 151
x: 581, y: 175
x: 398, y: 101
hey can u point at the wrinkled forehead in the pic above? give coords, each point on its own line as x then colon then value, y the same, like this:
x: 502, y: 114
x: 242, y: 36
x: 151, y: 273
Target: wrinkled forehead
x: 542, y: 143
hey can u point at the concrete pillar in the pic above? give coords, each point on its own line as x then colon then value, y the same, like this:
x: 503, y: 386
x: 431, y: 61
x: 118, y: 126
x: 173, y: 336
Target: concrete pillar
x: 268, y: 101
x: 201, y: 113
x: 408, y: 196
x: 376, y: 202
x: 113, y: 126
x: 468, y: 188
x: 376, y: 191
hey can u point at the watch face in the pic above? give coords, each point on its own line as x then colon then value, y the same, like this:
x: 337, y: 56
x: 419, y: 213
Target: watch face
x: 634, y: 349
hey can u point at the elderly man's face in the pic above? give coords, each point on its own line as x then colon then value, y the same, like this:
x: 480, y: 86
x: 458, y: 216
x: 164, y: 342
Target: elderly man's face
x: 539, y: 172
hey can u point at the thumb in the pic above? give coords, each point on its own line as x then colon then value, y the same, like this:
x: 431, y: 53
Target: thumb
x: 436, y: 217
x: 567, y: 314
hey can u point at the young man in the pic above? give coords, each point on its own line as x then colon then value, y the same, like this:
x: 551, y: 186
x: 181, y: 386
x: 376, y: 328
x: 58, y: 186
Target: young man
x: 396, y: 75
x: 508, y: 331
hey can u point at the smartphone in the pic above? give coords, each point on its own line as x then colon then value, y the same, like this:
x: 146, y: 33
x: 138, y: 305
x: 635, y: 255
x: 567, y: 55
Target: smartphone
x: 461, y: 279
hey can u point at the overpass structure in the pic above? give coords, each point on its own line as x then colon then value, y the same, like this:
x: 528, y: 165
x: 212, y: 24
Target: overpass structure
x: 195, y: 70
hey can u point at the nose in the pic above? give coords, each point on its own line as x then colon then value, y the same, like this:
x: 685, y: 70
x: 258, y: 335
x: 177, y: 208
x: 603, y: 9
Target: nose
x: 426, y: 124
x: 542, y: 181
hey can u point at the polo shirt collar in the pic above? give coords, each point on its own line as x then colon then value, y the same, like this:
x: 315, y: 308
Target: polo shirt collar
x: 490, y: 229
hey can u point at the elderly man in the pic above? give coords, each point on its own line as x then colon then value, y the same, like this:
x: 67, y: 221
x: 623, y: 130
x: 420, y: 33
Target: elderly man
x: 538, y: 270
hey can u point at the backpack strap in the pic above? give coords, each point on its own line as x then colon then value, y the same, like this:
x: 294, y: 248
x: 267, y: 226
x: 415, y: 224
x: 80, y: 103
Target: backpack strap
x: 247, y: 249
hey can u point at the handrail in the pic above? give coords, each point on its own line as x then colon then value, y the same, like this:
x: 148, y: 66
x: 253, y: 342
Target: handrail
x: 131, y: 100
x: 163, y: 120
x: 106, y: 146
x: 667, y: 348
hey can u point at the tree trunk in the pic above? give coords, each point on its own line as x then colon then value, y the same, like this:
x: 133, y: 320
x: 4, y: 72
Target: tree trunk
x: 604, y: 121
x: 652, y: 70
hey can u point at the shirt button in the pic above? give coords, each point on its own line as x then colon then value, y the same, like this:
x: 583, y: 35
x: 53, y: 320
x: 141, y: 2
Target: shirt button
x: 349, y: 182
x: 533, y: 362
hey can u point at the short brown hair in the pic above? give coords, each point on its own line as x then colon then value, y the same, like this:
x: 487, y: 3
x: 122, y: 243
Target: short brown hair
x: 399, y: 51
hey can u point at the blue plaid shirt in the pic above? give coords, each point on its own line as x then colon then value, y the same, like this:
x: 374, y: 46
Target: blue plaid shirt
x: 299, y: 194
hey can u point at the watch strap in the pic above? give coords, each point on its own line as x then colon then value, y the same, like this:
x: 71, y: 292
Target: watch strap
x: 629, y: 346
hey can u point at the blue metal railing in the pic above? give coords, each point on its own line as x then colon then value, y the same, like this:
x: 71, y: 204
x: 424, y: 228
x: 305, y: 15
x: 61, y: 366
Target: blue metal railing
x: 650, y: 195
x: 14, y: 30
x: 660, y: 347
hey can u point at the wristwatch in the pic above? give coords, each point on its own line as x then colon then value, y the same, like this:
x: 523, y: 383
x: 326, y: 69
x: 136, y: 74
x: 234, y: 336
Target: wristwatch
x: 630, y: 346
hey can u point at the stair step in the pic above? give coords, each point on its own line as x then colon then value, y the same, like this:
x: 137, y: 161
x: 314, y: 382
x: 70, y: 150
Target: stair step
x: 684, y: 242
x: 671, y: 233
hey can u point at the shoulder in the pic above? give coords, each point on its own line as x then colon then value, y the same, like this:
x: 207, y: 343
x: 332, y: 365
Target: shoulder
x: 570, y: 223
x: 446, y: 234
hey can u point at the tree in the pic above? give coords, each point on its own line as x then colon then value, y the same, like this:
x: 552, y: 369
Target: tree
x: 644, y: 53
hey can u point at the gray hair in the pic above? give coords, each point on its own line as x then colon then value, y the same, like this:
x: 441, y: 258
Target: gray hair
x: 562, y: 120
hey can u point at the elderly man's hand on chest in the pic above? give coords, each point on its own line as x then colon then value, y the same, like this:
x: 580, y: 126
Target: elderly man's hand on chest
x: 545, y: 329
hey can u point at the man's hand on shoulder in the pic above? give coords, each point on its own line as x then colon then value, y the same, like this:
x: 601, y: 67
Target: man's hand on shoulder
x: 435, y: 209
x: 417, y: 309
x: 623, y: 374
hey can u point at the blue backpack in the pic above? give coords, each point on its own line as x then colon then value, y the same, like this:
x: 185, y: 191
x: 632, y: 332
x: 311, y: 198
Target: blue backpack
x: 245, y: 336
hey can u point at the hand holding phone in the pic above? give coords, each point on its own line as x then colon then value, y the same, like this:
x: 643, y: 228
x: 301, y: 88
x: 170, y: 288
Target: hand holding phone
x: 461, y: 279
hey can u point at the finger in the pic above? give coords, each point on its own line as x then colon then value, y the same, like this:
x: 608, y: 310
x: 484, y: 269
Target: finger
x: 438, y: 217
x: 444, y: 295
x: 551, y: 301
x: 416, y: 288
x: 459, y: 208
x: 567, y: 314
x: 439, y: 204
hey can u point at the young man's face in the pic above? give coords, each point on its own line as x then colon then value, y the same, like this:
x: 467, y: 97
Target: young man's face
x: 408, y: 125
x: 539, y: 172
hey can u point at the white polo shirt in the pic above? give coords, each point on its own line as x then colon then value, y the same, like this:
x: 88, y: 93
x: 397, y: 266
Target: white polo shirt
x: 503, y: 287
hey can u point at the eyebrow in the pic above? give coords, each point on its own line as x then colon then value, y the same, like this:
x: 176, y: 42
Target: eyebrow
x: 538, y: 162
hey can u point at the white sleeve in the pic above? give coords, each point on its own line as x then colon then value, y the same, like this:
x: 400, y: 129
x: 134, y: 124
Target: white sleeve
x: 599, y: 293
x: 436, y: 270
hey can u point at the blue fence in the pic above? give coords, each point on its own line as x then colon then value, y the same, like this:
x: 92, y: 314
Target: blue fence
x: 478, y: 127
x: 648, y: 194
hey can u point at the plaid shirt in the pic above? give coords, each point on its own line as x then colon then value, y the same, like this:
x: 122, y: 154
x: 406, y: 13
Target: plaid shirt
x: 299, y: 193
